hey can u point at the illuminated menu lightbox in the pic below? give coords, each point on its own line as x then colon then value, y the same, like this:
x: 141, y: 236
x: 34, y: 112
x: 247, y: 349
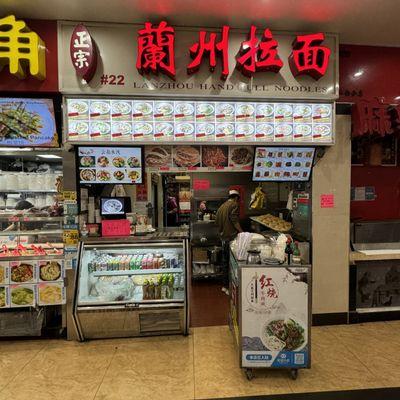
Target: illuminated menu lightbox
x: 183, y: 121
x: 283, y: 163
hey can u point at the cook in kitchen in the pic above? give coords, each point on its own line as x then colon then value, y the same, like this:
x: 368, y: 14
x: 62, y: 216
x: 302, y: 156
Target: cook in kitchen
x: 227, y: 220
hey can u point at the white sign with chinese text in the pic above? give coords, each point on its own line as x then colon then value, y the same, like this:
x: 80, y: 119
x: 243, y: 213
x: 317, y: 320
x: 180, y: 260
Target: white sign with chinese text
x: 275, y: 317
x: 117, y: 73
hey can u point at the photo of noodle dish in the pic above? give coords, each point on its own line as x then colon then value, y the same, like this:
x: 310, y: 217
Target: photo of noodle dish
x: 302, y: 110
x: 184, y: 109
x: 78, y: 127
x: 87, y: 161
x: 134, y: 176
x: 119, y: 175
x: 265, y: 110
x: 206, y: 109
x: 118, y: 162
x: 120, y: 107
x: 133, y: 162
x: 77, y: 107
x: 103, y: 176
x: 50, y: 293
x: 225, y: 109
x: 284, y: 334
x: 142, y: 108
x: 3, y: 299
x: 88, y: 175
x: 103, y: 128
x: 99, y: 107
x: 321, y: 111
x: 163, y: 109
x: 121, y: 128
x: 49, y: 270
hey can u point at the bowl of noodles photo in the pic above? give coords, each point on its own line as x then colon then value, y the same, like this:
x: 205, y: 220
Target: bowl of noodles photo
x: 284, y: 333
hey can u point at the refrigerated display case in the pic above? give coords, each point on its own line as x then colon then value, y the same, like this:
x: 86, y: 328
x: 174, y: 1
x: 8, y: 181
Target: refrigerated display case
x: 137, y: 287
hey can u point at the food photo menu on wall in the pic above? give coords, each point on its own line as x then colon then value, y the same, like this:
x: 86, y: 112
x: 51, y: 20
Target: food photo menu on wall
x: 188, y: 121
x: 116, y: 165
x: 283, y: 163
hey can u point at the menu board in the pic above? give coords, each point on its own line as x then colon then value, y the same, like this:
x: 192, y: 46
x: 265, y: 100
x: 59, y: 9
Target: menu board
x: 200, y: 158
x: 203, y: 121
x: 27, y: 122
x: 283, y: 163
x: 27, y: 283
x: 115, y: 165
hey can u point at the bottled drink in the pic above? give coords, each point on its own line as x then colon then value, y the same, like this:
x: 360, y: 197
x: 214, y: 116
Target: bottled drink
x: 288, y: 252
x: 296, y: 253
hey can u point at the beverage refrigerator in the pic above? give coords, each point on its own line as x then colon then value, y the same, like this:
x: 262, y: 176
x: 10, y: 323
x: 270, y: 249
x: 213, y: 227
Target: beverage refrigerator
x: 131, y: 287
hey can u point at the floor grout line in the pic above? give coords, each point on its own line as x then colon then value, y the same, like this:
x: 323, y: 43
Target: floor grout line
x: 355, y: 355
x: 23, y: 367
x: 105, y: 372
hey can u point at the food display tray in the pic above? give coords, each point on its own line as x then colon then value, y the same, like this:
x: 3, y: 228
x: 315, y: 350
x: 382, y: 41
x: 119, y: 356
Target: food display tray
x: 256, y: 219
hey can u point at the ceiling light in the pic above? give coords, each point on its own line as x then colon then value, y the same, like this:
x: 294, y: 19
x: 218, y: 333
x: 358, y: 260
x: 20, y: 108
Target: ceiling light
x: 397, y: 98
x: 49, y: 156
x: 13, y: 149
x: 358, y: 73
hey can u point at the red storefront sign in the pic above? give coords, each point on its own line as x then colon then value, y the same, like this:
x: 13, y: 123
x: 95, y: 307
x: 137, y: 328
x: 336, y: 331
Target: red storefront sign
x: 374, y: 117
x: 156, y: 52
x: 47, y: 31
x: 156, y: 49
x: 257, y: 55
x: 83, y: 53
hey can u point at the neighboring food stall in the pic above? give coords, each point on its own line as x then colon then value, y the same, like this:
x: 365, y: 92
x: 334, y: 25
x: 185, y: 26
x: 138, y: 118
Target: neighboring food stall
x: 31, y: 219
x: 202, y: 133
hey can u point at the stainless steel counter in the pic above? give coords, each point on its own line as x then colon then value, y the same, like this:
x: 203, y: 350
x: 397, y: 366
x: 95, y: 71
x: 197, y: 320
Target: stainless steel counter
x: 160, y: 234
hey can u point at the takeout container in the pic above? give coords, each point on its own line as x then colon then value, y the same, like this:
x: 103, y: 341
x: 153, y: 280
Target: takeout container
x: 25, y: 301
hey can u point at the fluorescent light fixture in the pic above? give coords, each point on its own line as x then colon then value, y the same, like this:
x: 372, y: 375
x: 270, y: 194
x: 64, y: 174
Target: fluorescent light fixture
x: 14, y: 149
x: 358, y: 73
x: 49, y: 156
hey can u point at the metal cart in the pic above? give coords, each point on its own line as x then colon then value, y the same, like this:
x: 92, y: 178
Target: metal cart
x: 270, y: 315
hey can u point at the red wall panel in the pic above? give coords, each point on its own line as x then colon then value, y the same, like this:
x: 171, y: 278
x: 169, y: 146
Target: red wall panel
x: 380, y: 78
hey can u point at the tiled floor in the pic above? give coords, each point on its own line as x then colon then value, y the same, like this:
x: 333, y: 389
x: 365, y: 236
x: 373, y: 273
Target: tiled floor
x: 202, y: 365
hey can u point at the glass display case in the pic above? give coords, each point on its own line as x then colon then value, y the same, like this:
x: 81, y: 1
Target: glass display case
x: 32, y: 270
x: 133, y: 288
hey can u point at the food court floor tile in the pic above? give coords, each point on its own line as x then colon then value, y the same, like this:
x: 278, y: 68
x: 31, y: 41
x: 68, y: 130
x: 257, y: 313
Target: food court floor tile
x: 203, y: 365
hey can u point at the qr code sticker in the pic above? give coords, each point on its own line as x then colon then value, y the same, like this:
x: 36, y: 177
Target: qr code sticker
x: 299, y: 358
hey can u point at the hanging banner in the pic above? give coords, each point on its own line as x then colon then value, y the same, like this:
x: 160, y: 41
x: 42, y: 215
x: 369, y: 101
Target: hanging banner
x: 198, y: 62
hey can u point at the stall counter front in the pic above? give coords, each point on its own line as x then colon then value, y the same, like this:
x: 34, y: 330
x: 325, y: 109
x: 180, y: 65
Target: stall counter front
x: 270, y: 315
x: 132, y: 286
